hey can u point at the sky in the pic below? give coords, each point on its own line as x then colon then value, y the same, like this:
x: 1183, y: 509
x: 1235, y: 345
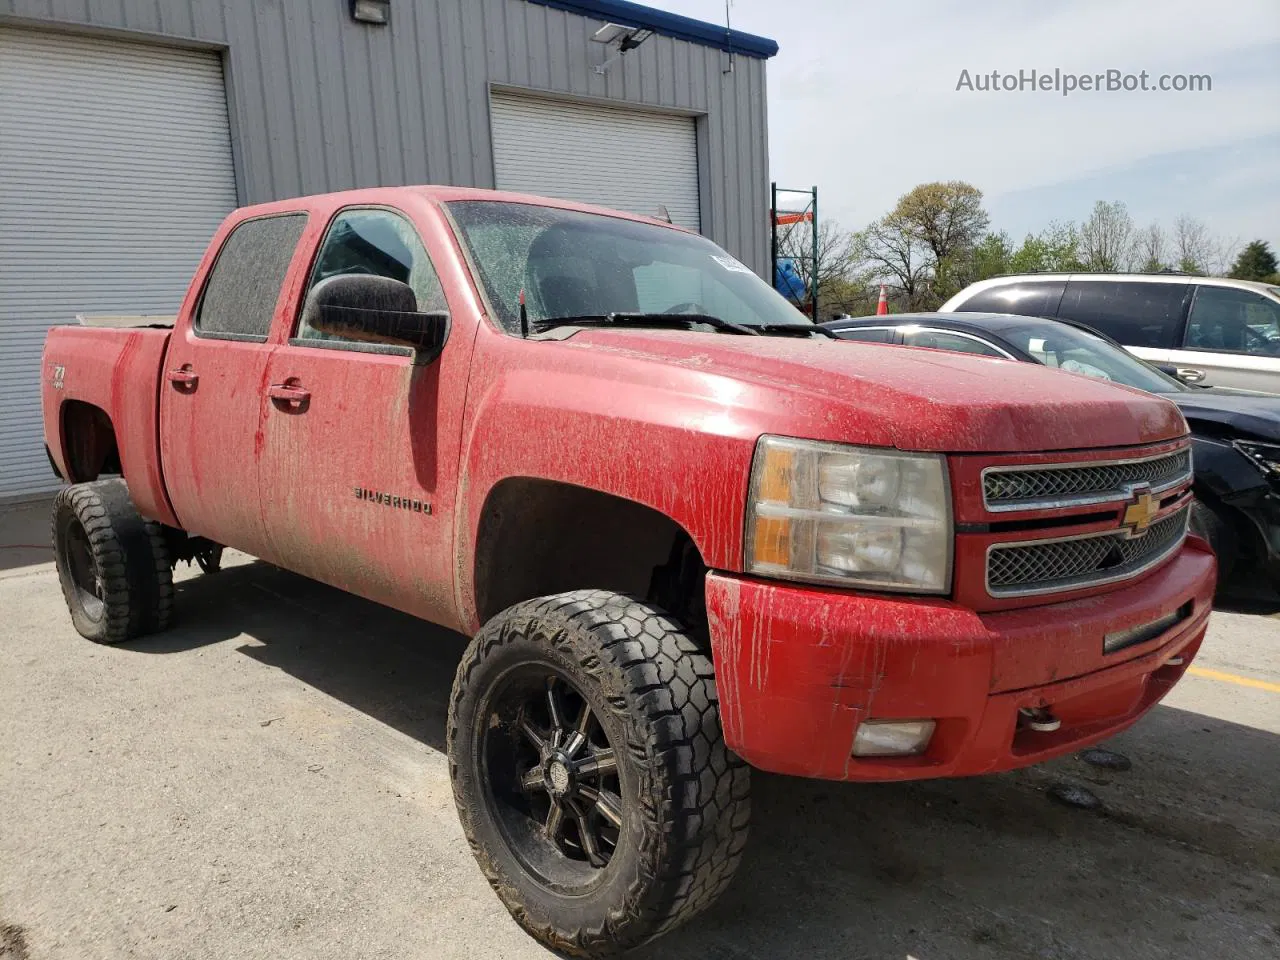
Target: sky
x: 863, y: 103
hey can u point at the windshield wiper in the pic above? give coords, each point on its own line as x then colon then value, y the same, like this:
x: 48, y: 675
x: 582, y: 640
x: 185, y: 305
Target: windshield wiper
x: 618, y: 319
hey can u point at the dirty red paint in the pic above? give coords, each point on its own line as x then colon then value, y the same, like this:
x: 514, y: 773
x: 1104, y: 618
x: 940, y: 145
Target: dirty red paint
x: 665, y: 418
x: 798, y: 667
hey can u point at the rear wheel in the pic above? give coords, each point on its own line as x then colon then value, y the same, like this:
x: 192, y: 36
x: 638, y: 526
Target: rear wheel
x: 590, y: 773
x: 113, y: 565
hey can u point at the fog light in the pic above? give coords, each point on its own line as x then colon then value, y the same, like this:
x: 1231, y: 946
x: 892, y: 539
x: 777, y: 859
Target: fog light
x: 892, y: 738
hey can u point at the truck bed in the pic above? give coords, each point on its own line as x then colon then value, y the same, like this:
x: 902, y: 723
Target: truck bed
x: 117, y: 371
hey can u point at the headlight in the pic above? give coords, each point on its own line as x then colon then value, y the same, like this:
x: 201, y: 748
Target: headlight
x: 830, y: 513
x: 1265, y: 456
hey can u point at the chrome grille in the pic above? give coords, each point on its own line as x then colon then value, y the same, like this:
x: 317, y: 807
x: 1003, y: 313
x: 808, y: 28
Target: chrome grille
x: 1029, y: 488
x: 1050, y: 566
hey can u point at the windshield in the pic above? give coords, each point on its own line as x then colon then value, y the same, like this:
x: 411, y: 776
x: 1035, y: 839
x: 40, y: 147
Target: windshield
x: 1076, y: 351
x: 571, y: 264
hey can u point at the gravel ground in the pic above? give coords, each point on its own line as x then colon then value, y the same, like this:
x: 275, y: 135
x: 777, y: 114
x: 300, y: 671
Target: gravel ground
x: 267, y: 780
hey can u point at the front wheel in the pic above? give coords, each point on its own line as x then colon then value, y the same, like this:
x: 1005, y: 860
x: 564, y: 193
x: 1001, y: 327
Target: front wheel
x: 1211, y: 522
x: 590, y: 773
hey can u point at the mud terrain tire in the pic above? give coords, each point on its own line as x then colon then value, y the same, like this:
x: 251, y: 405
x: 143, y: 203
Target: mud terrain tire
x: 681, y: 801
x: 113, y: 564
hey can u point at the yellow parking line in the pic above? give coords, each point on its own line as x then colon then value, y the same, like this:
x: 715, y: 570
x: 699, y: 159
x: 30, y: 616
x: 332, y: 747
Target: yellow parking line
x: 1234, y: 678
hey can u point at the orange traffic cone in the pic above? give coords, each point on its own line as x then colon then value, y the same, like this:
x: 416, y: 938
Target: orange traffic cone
x: 882, y: 307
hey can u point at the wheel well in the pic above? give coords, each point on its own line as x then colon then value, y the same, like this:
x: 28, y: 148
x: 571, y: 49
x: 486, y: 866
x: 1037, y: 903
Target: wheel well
x: 89, y: 439
x: 539, y: 537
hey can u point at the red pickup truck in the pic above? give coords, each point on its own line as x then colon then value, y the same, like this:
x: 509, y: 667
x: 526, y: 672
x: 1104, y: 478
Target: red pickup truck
x: 688, y: 531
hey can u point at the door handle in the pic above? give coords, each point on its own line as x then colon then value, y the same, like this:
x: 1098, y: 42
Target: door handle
x: 183, y: 377
x: 1190, y: 374
x: 289, y: 393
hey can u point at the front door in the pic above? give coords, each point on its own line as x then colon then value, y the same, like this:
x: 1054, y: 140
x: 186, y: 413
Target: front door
x: 211, y: 396
x: 361, y: 442
x: 1232, y: 340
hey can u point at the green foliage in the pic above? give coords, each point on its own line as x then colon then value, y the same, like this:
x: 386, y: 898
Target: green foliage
x: 1056, y: 249
x: 1256, y: 262
x: 991, y: 257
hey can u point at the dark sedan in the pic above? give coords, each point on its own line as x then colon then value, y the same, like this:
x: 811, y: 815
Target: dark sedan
x: 1235, y: 433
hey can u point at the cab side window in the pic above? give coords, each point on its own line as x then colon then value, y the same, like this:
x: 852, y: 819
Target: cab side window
x: 1235, y: 321
x: 378, y: 243
x: 240, y: 295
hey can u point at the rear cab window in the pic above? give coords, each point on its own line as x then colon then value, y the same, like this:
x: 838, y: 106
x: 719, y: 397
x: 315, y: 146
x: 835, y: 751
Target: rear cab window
x: 1133, y: 313
x: 240, y: 295
x: 1027, y: 298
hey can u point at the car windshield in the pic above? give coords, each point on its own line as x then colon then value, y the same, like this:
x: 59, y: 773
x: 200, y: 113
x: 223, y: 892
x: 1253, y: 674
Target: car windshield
x: 573, y: 264
x: 1076, y: 351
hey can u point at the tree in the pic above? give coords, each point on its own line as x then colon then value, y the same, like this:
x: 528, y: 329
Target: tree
x: 925, y: 245
x: 1192, y: 246
x: 1256, y: 262
x: 1055, y: 249
x: 1106, y: 238
x: 991, y: 256
x: 1150, y: 249
x: 946, y: 219
x: 836, y: 254
x: 892, y: 253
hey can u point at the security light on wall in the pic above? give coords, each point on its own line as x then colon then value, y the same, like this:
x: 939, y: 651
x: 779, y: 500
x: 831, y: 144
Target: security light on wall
x: 371, y: 11
x: 624, y: 38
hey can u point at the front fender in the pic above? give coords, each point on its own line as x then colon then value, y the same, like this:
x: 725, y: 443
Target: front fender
x: 680, y: 444
x: 1223, y: 471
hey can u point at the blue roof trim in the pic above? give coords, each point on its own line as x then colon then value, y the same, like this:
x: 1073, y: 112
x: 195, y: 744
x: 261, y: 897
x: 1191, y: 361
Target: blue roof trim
x: 668, y: 24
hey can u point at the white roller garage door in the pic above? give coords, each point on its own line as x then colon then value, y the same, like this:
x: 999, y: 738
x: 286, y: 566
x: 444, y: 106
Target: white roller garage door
x: 626, y: 159
x: 115, y: 169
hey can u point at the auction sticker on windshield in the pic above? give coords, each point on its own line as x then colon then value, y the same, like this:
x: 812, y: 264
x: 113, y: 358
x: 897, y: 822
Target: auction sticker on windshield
x: 731, y: 264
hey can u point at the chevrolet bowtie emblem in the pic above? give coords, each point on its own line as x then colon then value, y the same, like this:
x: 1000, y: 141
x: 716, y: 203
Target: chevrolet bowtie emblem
x: 1139, y: 514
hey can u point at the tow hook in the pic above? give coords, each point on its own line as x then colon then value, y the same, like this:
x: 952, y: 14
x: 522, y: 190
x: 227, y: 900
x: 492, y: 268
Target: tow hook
x: 1039, y: 719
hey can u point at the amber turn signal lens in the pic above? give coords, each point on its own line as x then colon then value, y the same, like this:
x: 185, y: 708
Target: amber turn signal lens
x: 777, y: 473
x: 773, y: 542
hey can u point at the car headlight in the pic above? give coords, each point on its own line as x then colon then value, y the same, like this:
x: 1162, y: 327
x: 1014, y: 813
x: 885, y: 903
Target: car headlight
x: 830, y: 513
x: 1265, y: 456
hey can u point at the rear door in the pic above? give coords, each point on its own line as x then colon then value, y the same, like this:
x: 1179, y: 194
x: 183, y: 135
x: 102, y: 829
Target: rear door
x: 211, y: 389
x: 1232, y: 339
x: 1146, y: 317
x: 360, y: 442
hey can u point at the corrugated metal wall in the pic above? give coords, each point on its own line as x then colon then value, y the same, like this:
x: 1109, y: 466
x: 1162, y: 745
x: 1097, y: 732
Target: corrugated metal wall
x: 321, y: 103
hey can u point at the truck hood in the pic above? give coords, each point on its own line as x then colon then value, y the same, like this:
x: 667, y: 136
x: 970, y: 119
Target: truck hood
x: 880, y: 395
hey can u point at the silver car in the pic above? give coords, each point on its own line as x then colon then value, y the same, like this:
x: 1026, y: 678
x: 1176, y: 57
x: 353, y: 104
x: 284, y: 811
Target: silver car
x: 1209, y: 330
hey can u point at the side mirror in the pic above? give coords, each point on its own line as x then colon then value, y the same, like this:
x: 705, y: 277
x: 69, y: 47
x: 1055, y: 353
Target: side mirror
x: 372, y: 309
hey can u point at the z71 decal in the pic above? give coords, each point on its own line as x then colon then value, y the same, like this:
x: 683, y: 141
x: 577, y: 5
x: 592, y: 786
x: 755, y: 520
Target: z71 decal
x: 59, y: 375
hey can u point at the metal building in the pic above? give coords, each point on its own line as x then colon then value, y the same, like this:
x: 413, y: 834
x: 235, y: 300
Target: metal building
x: 129, y: 128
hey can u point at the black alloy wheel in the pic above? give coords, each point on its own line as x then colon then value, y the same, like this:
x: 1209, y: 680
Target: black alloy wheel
x: 553, y: 778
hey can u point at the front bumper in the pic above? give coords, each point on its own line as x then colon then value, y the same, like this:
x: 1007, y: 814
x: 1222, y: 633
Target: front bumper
x: 798, y: 668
